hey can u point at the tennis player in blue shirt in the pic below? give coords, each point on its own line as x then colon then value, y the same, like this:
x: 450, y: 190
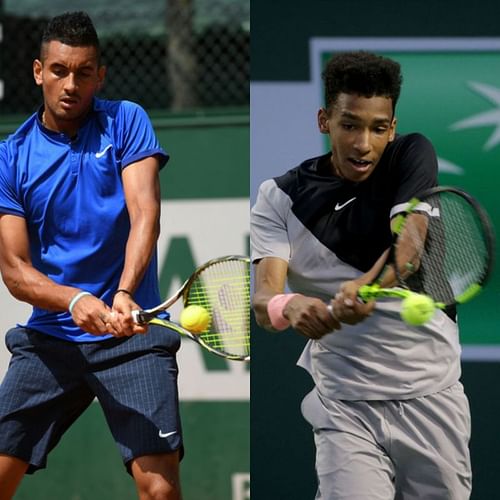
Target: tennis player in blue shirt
x: 79, y: 222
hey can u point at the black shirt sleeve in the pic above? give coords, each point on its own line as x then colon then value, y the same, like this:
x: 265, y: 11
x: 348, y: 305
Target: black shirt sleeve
x: 415, y: 167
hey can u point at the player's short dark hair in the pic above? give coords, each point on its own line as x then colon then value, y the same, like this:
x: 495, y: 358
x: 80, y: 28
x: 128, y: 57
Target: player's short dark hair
x: 362, y: 73
x: 71, y: 28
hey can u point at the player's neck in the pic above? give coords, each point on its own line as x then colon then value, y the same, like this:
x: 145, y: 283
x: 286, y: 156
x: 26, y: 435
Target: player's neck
x: 334, y: 169
x: 67, y: 127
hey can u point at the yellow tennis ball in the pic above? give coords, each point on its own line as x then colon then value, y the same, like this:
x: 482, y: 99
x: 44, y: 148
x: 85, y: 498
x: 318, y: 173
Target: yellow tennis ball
x: 417, y: 309
x: 195, y: 318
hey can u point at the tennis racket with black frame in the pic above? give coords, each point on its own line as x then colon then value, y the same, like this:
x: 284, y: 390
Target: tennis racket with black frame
x: 222, y: 287
x: 442, y: 247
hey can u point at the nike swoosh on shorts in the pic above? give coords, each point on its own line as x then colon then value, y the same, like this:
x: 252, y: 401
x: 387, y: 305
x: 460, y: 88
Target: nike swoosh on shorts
x: 166, y: 434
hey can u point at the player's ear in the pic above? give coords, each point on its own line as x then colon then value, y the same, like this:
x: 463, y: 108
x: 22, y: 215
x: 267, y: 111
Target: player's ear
x: 323, y: 124
x: 101, y: 75
x: 392, y: 130
x: 37, y: 71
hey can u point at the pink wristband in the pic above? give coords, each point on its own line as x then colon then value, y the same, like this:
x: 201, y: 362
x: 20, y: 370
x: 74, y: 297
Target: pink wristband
x: 275, y: 310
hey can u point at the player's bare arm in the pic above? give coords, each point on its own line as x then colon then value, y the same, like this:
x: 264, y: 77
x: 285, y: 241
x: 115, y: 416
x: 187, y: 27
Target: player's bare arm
x: 270, y: 279
x: 141, y: 185
x: 308, y: 315
x: 29, y: 285
x: 348, y: 308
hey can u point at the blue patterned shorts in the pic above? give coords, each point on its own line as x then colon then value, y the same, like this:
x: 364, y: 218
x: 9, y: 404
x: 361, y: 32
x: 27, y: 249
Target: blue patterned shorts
x: 50, y: 382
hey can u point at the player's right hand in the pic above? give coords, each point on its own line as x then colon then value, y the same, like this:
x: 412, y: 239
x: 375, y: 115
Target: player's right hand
x: 310, y: 317
x: 347, y: 307
x: 121, y: 320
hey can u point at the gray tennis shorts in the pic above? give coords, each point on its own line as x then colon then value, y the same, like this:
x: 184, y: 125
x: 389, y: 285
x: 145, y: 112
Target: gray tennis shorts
x: 50, y: 382
x: 384, y: 450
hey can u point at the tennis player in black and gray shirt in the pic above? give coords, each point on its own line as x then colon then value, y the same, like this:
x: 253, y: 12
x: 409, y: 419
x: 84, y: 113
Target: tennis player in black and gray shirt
x: 389, y: 414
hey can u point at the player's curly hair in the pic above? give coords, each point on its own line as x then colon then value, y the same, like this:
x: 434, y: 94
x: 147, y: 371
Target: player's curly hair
x: 362, y: 73
x: 71, y: 28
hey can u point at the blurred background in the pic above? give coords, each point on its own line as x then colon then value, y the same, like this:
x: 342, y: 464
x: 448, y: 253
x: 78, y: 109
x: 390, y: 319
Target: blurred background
x: 450, y: 57
x: 164, y: 54
x: 187, y: 63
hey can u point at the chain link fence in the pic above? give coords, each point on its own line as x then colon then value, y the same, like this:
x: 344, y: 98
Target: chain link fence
x: 164, y: 54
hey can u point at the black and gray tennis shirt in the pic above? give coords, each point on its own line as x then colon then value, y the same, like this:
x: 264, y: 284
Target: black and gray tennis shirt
x: 330, y: 230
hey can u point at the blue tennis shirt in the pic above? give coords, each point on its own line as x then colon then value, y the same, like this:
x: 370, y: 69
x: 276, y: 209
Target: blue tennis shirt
x: 70, y: 193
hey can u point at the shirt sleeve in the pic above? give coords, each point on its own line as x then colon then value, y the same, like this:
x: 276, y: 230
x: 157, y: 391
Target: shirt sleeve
x: 138, y: 139
x: 268, y: 228
x: 417, y: 170
x: 9, y: 199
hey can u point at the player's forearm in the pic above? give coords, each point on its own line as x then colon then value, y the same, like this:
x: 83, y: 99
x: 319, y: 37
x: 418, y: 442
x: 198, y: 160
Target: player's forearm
x: 407, y: 259
x: 373, y: 273
x: 270, y: 277
x: 27, y: 284
x: 415, y: 225
x: 259, y: 304
x: 141, y: 244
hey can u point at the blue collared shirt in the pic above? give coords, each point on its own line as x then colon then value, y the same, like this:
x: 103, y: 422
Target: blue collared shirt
x: 70, y: 193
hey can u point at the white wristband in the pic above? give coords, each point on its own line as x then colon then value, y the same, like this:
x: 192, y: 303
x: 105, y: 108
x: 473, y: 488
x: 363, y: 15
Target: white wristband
x: 75, y: 299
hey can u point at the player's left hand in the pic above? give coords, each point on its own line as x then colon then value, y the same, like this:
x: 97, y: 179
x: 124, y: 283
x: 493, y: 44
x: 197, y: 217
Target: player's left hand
x: 347, y: 306
x: 121, y: 322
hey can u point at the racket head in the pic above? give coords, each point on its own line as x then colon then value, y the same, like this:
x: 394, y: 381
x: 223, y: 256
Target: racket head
x: 242, y: 355
x: 453, y: 246
x: 222, y: 287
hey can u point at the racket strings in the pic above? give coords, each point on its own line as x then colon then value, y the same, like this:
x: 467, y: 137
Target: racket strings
x: 455, y: 254
x: 223, y: 289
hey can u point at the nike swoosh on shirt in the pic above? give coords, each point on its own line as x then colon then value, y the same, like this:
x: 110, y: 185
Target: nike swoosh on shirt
x: 341, y: 206
x: 100, y: 154
x: 166, y: 434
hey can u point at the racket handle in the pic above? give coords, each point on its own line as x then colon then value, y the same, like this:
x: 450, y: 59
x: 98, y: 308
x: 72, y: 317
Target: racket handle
x: 140, y: 317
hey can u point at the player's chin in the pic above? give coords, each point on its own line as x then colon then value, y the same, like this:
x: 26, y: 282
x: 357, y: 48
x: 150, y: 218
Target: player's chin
x: 73, y: 112
x: 357, y: 174
x: 70, y: 115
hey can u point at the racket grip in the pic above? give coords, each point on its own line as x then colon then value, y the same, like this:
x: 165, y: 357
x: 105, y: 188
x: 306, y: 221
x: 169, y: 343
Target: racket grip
x: 140, y: 317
